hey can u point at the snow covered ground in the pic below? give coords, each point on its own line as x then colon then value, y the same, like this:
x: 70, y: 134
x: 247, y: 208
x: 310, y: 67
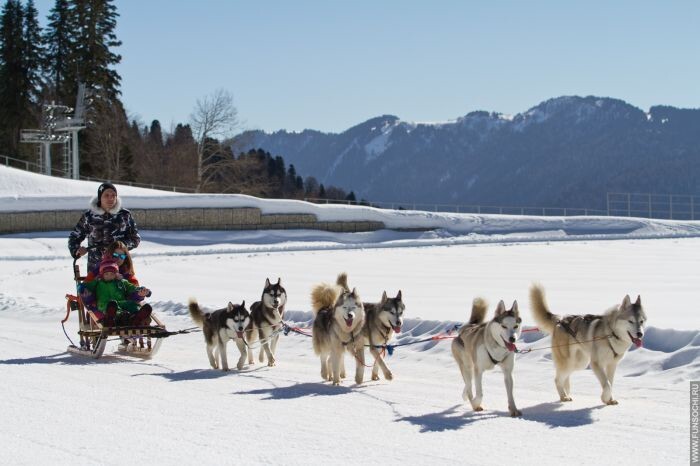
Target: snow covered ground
x: 174, y: 409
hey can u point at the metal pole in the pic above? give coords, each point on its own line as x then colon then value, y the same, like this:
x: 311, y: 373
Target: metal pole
x: 47, y: 157
x: 75, y: 156
x: 670, y: 207
x: 649, y: 205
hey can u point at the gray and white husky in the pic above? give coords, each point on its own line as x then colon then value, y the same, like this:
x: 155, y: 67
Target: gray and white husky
x: 598, y: 340
x: 219, y: 327
x: 382, y: 319
x: 482, y: 346
x: 338, y: 321
x: 266, y: 320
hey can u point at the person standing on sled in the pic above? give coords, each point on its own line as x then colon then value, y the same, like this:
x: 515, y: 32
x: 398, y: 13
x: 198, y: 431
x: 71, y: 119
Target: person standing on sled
x: 118, y: 299
x: 102, y: 225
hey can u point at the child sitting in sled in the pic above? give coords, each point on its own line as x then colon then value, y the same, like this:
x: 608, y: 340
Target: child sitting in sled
x: 118, y: 252
x: 117, y: 299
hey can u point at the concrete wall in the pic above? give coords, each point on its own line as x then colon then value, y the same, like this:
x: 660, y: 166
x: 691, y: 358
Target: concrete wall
x: 184, y: 219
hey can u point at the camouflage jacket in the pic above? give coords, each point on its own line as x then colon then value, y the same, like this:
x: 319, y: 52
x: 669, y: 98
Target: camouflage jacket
x: 102, y: 228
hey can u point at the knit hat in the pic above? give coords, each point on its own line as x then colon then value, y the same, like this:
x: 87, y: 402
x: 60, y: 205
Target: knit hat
x: 109, y: 266
x: 102, y: 188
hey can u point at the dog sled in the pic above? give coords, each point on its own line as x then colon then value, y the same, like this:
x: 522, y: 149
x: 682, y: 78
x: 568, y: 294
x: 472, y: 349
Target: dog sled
x: 139, y: 341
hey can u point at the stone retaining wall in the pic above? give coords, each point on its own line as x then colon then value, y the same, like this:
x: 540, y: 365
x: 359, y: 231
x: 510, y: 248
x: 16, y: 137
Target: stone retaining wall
x: 247, y: 218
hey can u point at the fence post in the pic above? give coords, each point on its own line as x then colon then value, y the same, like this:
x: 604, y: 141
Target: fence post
x: 649, y: 205
x: 692, y: 208
x: 670, y: 207
x: 629, y: 202
x: 607, y: 198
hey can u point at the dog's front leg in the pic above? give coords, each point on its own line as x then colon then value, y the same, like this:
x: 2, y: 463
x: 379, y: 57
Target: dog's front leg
x: 336, y: 361
x: 476, y: 402
x: 375, y: 367
x: 359, y: 354
x: 268, y: 352
x: 604, y: 383
x: 244, y: 352
x: 222, y: 353
x: 507, y: 367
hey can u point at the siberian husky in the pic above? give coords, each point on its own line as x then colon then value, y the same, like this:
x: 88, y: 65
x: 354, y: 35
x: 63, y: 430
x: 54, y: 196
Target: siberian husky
x: 481, y: 346
x: 598, y: 340
x: 338, y: 320
x: 266, y: 319
x: 219, y: 327
x: 382, y: 319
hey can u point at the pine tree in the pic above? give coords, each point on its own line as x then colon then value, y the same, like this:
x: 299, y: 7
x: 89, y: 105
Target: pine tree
x: 155, y: 135
x: 18, y: 72
x: 96, y: 22
x: 33, y: 53
x: 60, y: 38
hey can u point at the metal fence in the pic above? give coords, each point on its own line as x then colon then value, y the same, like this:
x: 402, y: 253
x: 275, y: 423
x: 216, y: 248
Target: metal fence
x: 664, y: 206
x: 649, y: 205
x: 36, y: 168
x: 468, y: 209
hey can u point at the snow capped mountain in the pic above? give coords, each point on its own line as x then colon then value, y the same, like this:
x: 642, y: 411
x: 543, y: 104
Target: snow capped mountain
x: 567, y: 151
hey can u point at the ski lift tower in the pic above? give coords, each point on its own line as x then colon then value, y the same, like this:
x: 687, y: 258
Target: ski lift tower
x: 45, y: 138
x: 59, y: 128
x: 72, y: 124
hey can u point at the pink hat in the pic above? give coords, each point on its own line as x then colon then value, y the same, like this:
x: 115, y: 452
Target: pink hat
x: 109, y: 266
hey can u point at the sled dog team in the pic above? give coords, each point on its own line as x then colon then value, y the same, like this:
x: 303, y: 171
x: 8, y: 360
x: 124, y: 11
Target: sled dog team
x: 344, y: 323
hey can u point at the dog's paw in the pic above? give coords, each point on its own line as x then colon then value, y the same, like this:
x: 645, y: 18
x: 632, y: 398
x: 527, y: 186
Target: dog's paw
x: 375, y: 376
x: 388, y: 375
x: 342, y: 375
x: 271, y: 364
x: 336, y: 383
x: 515, y: 413
x: 359, y: 380
x: 239, y: 366
x: 565, y: 398
x: 478, y: 408
x: 611, y: 402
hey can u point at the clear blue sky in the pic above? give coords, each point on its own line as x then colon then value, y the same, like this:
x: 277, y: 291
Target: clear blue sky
x: 329, y: 65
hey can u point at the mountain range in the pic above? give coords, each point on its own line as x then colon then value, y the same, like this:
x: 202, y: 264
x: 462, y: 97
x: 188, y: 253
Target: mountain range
x: 567, y: 152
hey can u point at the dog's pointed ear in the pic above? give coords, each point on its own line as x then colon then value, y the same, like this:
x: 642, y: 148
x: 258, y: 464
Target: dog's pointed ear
x: 267, y: 282
x: 501, y: 308
x: 243, y: 303
x: 398, y: 296
x: 353, y: 293
x: 514, y: 308
x: 626, y: 302
x: 279, y: 281
x: 639, y: 301
x: 384, y: 296
x: 230, y: 306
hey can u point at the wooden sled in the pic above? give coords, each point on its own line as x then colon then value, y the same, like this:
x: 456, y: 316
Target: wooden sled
x: 140, y: 341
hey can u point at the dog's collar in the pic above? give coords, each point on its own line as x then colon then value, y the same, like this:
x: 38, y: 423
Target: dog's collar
x: 494, y: 360
x: 610, y: 343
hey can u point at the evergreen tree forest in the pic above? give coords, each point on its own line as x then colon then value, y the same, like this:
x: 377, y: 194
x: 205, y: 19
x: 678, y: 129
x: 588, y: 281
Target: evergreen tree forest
x: 79, y: 45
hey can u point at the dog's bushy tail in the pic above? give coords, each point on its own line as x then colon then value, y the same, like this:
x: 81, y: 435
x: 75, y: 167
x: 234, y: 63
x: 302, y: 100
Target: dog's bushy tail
x: 324, y: 296
x: 479, y: 309
x: 195, y: 312
x: 540, y: 311
x: 342, y: 281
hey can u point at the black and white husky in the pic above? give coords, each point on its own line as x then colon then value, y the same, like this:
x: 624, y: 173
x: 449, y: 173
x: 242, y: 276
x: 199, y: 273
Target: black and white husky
x: 338, y: 322
x: 382, y: 320
x: 219, y: 327
x: 481, y: 346
x: 266, y: 321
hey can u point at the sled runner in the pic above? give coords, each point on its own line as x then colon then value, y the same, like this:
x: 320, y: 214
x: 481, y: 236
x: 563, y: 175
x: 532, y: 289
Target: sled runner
x: 141, y: 341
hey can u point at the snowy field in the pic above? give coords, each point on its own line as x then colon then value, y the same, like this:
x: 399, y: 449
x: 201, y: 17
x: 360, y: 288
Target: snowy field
x: 174, y: 409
